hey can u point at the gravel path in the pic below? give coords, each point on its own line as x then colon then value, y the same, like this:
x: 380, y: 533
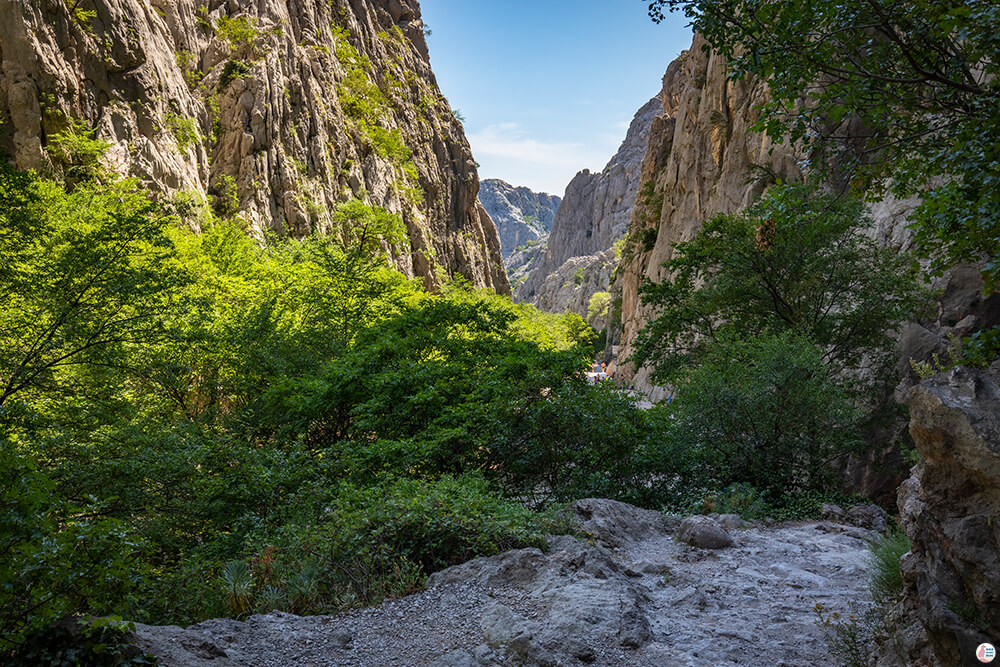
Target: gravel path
x: 612, y: 600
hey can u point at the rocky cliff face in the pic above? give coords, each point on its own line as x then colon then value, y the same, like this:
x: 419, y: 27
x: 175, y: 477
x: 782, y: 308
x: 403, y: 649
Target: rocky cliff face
x: 520, y: 214
x: 702, y: 159
x: 280, y: 110
x: 949, y: 509
x: 594, y: 213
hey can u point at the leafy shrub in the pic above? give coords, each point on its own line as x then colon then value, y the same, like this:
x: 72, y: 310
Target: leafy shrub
x: 58, y: 558
x: 241, y: 32
x: 77, y: 153
x: 83, y: 642
x: 185, y: 130
x: 765, y: 412
x: 798, y: 260
x: 232, y: 70
x: 599, y: 305
x: 226, y: 201
x: 380, y: 540
x: 187, y: 63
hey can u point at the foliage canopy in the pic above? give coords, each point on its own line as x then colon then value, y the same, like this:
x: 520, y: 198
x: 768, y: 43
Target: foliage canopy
x: 918, y: 80
x: 799, y: 261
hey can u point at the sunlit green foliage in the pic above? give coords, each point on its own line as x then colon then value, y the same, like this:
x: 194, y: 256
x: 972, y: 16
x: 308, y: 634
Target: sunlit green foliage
x: 205, y: 424
x: 242, y: 33
x: 76, y: 152
x: 85, y: 273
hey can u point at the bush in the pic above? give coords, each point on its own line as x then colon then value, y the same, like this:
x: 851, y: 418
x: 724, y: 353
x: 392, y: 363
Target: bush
x: 232, y: 70
x: 798, y: 261
x: 241, y: 32
x: 764, y: 412
x: 377, y: 541
x: 58, y: 558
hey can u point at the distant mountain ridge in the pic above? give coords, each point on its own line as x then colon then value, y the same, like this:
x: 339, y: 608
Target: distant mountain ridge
x: 520, y: 214
x: 594, y: 215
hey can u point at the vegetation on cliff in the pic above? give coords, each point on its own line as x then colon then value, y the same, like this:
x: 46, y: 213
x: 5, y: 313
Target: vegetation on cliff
x: 908, y: 104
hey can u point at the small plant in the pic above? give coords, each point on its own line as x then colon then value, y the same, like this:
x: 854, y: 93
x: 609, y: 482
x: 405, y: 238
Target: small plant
x: 201, y: 14
x: 185, y: 130
x: 579, y: 275
x: 187, y: 63
x: 82, y: 16
x: 886, y: 579
x: 647, y: 238
x: 239, y: 583
x: 227, y: 202
x: 241, y: 32
x: 78, y: 152
x: 232, y: 70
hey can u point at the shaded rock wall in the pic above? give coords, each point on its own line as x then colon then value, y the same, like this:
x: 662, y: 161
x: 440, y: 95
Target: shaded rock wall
x: 950, y: 509
x: 520, y: 214
x: 320, y: 102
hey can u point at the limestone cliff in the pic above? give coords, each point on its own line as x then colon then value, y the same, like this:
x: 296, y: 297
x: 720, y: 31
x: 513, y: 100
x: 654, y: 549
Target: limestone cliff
x: 593, y: 215
x: 521, y: 215
x: 278, y: 110
x: 702, y: 159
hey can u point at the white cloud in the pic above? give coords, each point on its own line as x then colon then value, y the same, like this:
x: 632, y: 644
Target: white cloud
x: 505, y: 151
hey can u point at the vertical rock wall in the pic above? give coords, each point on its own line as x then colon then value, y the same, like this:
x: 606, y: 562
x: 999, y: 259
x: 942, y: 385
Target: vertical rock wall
x: 594, y: 214
x: 290, y: 107
x: 701, y: 160
x: 520, y: 214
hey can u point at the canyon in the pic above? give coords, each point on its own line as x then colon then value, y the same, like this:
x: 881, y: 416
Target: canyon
x: 284, y: 112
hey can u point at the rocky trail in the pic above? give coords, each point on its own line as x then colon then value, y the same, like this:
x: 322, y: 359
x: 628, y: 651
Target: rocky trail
x: 635, y: 592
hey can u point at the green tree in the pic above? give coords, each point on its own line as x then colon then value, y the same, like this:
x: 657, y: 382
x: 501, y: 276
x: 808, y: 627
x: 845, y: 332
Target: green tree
x: 919, y: 81
x: 85, y: 273
x: 798, y: 260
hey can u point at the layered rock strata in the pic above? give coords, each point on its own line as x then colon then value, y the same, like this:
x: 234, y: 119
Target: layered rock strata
x: 594, y: 214
x: 278, y: 110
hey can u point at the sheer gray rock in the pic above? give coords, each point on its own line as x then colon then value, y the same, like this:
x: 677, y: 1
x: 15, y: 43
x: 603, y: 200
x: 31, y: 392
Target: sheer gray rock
x: 949, y: 508
x: 274, y: 121
x: 520, y: 214
x: 594, y: 214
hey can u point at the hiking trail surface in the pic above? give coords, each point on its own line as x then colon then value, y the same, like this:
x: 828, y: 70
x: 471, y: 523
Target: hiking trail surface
x: 635, y: 592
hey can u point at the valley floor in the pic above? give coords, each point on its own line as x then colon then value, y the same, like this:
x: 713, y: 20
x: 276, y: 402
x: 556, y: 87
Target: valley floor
x: 630, y: 594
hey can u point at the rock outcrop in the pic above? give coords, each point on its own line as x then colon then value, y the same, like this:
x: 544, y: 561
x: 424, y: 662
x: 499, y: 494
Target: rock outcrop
x: 629, y: 595
x: 278, y: 110
x: 594, y: 214
x: 521, y: 215
x: 950, y: 508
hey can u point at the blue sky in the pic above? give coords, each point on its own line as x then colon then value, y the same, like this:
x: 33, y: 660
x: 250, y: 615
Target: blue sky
x: 548, y: 87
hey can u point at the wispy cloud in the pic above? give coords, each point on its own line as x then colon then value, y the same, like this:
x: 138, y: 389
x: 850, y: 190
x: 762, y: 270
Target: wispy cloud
x: 506, y: 151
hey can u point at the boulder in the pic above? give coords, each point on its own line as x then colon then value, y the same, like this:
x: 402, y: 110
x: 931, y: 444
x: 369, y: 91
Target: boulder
x: 704, y: 532
x: 948, y: 509
x: 615, y: 524
x: 871, y: 517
